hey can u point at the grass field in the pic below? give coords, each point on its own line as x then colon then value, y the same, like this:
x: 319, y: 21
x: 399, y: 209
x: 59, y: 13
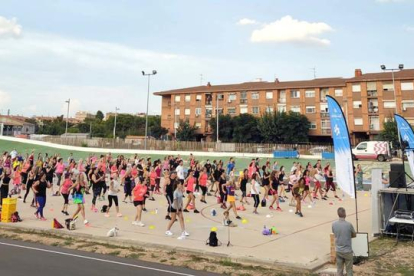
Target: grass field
x: 23, y: 148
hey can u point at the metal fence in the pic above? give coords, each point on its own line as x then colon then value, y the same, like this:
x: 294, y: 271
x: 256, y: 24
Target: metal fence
x: 305, y: 148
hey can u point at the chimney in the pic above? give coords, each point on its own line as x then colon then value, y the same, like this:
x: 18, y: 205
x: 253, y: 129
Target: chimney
x: 358, y: 73
x: 208, y: 84
x: 276, y: 80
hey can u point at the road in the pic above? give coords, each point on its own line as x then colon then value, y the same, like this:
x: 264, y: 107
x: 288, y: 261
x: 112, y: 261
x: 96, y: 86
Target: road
x: 23, y: 258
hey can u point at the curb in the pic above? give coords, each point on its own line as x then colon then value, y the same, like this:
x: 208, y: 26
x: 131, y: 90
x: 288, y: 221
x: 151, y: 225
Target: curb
x: 121, y: 242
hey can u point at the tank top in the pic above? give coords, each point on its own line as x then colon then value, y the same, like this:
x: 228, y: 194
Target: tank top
x: 190, y: 184
x: 203, y: 180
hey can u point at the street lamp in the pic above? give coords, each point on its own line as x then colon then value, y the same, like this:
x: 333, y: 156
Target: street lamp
x: 116, y: 113
x: 400, y: 67
x: 67, y: 118
x: 217, y: 123
x: 154, y: 72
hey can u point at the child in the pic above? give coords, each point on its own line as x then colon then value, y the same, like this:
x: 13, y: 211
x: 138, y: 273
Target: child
x: 64, y: 191
x: 16, y: 182
x: 177, y: 210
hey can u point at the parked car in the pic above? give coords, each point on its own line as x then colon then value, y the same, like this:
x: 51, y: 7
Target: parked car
x: 372, y: 150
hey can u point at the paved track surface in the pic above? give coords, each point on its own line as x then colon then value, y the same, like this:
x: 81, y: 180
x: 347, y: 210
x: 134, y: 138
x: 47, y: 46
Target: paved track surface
x: 23, y: 258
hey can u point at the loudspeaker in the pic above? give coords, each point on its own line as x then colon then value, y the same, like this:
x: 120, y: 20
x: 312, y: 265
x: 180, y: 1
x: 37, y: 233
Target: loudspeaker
x: 397, y: 167
x: 397, y: 179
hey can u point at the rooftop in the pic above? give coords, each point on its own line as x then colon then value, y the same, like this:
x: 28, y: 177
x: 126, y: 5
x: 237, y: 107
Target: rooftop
x: 301, y: 84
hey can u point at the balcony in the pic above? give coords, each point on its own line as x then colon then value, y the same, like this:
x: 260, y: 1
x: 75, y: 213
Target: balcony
x: 326, y: 131
x: 243, y: 101
x: 373, y: 110
x: 324, y: 115
x: 374, y: 127
x: 372, y: 94
x: 282, y: 100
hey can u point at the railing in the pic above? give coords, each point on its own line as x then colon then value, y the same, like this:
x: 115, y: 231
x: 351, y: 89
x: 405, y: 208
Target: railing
x: 152, y: 144
x: 243, y: 101
x: 326, y: 131
x: 372, y: 93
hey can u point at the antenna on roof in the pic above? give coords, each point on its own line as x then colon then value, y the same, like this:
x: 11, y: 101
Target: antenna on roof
x: 201, y: 79
x: 314, y: 72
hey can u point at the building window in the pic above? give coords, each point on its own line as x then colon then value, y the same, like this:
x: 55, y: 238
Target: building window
x: 177, y: 99
x: 243, y: 110
x: 407, y: 86
x: 231, y: 110
x: 324, y: 108
x: 187, y: 98
x: 356, y: 104
x: 356, y: 88
x: 407, y: 104
x: 294, y: 94
x: 198, y: 125
x: 282, y: 96
x: 243, y: 97
x: 358, y: 121
x: 187, y: 111
x: 269, y: 95
x: 176, y: 125
x: 339, y: 92
x: 324, y: 92
x: 295, y: 108
x: 255, y: 110
x: 325, y: 124
x: 269, y: 109
x: 209, y: 112
x: 255, y: 95
x: 220, y: 111
x: 310, y: 93
x: 198, y: 98
x: 387, y: 86
x: 232, y: 97
x: 312, y: 125
x: 177, y: 111
x: 310, y: 109
x: 371, y: 86
x: 198, y: 111
x: 389, y: 104
x: 281, y: 108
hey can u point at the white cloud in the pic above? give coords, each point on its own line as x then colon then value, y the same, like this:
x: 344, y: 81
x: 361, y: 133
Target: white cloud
x: 409, y: 29
x: 9, y: 28
x: 247, y: 21
x: 288, y: 29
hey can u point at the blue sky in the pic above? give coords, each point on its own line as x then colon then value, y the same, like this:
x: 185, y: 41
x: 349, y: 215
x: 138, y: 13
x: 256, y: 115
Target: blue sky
x: 94, y: 51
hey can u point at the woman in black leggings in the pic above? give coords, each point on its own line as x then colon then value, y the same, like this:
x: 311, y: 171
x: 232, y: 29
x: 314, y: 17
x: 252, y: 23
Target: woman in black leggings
x: 96, y: 188
x: 31, y: 178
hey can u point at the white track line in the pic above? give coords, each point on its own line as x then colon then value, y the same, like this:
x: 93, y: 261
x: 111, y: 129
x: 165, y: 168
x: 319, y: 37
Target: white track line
x: 94, y: 259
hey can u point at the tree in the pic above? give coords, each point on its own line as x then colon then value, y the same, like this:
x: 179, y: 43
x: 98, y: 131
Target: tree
x: 390, y: 132
x: 186, y: 132
x: 99, y: 115
x: 225, y: 128
x: 245, y: 129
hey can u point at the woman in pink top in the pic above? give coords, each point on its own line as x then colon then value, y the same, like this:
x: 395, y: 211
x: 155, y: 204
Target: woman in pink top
x: 306, y: 175
x: 252, y: 168
x: 64, y: 191
x: 59, y: 168
x: 202, y: 181
x: 190, y: 185
x: 153, y: 178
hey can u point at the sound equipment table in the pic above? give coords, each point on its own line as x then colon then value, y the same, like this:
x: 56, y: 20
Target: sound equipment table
x: 403, y: 224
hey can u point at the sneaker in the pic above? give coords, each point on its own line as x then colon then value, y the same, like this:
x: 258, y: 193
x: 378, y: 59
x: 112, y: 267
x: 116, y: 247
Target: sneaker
x: 63, y: 212
x: 107, y: 215
x: 95, y: 210
x: 167, y: 217
x: 182, y: 237
x: 185, y: 211
x: 36, y: 215
x: 238, y: 217
x: 300, y: 214
x: 325, y: 198
x: 140, y: 224
x: 271, y: 208
x: 196, y: 211
x: 66, y: 213
x: 336, y: 196
x: 135, y: 222
x: 225, y: 222
x: 278, y: 209
x: 144, y: 209
x: 169, y: 233
x: 43, y: 219
x: 85, y: 222
x: 185, y: 233
x: 255, y: 212
x: 119, y: 215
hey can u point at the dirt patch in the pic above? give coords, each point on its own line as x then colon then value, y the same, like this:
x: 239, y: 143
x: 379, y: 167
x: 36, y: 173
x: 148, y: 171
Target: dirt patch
x: 173, y: 258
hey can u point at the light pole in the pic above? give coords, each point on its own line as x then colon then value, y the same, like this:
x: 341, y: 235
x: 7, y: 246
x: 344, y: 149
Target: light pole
x: 116, y: 113
x: 67, y: 118
x: 217, y: 123
x: 154, y: 72
x: 400, y: 67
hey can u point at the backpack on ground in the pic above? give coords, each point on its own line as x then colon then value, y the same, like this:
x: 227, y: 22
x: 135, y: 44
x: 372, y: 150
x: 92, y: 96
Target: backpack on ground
x: 263, y: 204
x: 70, y: 224
x: 213, y: 240
x: 15, y: 217
x: 104, y: 208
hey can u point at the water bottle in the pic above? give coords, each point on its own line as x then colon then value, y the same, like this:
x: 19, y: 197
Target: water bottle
x: 213, y: 212
x: 156, y: 210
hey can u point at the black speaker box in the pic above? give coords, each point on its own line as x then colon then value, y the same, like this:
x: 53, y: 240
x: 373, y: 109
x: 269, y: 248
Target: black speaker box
x: 397, y: 167
x: 397, y: 179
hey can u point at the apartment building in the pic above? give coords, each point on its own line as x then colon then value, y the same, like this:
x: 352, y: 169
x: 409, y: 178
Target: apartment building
x: 367, y: 101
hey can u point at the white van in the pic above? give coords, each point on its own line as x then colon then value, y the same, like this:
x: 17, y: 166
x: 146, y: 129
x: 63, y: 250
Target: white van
x: 372, y: 150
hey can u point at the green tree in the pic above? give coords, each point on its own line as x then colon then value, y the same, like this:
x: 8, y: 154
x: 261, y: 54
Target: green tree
x: 390, y: 132
x: 225, y: 128
x: 99, y: 115
x: 186, y: 132
x: 245, y: 129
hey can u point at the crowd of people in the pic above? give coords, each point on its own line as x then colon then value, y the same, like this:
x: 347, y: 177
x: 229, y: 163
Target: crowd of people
x: 185, y: 184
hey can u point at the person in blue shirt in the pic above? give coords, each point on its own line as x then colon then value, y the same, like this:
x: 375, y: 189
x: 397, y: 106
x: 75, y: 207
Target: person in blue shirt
x: 230, y: 165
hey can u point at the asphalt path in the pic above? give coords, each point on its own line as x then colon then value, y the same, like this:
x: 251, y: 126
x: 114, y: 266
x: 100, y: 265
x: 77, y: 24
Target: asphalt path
x: 24, y: 258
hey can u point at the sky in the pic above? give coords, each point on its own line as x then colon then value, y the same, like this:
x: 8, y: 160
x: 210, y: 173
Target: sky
x: 93, y: 52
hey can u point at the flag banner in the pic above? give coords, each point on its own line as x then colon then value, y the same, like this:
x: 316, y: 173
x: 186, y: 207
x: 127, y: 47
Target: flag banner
x: 406, y: 134
x: 344, y: 166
